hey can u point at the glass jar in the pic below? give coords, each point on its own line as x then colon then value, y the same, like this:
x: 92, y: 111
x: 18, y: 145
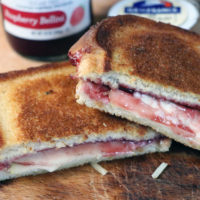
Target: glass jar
x: 45, y: 29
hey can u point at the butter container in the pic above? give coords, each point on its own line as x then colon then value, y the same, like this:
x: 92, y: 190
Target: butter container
x: 182, y: 13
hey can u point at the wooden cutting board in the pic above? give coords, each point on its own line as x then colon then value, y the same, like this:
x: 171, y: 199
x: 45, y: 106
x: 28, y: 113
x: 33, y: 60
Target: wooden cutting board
x: 128, y: 179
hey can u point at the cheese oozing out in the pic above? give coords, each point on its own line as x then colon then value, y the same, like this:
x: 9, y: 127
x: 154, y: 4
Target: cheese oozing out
x: 57, y: 158
x: 180, y: 119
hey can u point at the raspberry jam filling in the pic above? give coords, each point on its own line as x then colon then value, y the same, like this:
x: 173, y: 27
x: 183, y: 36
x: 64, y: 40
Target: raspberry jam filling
x: 182, y: 120
x: 75, y: 58
x: 55, y: 157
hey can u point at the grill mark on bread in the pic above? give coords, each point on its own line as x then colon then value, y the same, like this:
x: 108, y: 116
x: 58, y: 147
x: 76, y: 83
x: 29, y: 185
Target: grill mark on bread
x: 152, y: 51
x: 107, y: 66
x: 6, y: 183
x: 102, y: 38
x: 2, y: 142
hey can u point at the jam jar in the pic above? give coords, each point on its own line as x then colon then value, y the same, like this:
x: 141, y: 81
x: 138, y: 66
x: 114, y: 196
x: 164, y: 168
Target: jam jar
x: 45, y: 29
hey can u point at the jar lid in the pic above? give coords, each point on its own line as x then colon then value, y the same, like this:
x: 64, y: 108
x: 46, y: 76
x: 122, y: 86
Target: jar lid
x: 182, y: 13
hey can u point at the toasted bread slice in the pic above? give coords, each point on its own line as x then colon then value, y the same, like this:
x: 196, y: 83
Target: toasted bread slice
x: 144, y: 71
x: 44, y: 129
x: 154, y: 58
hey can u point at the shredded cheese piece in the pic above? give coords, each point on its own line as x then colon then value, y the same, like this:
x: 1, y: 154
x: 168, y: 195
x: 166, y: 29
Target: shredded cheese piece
x: 105, y: 124
x: 159, y: 170
x: 99, y: 168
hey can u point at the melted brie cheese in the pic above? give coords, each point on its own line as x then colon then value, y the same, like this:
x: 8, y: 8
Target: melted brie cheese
x: 54, y: 159
x: 182, y: 120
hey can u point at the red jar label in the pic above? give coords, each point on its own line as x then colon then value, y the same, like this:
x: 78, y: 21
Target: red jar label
x: 34, y: 20
x: 51, y: 20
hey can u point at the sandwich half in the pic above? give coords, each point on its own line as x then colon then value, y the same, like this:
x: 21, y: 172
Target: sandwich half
x: 43, y: 129
x: 144, y: 71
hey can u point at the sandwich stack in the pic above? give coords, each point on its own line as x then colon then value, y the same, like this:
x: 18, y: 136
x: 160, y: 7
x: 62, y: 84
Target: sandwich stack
x: 144, y: 71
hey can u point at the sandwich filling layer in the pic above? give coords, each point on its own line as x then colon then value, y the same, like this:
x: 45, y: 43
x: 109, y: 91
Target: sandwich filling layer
x: 180, y: 119
x: 56, y: 158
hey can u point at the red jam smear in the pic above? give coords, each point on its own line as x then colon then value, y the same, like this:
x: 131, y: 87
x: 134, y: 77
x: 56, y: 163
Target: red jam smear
x: 75, y: 58
x: 97, y: 92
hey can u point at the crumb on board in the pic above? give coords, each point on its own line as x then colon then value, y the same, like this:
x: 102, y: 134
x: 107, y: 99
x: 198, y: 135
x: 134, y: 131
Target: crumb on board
x: 159, y: 170
x: 99, y: 168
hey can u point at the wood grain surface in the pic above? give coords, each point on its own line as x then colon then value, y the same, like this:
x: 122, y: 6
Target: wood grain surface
x: 128, y: 179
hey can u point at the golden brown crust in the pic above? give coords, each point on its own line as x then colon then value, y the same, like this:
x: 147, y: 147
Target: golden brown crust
x: 49, y: 110
x: 32, y: 70
x: 155, y: 52
x: 43, y: 107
